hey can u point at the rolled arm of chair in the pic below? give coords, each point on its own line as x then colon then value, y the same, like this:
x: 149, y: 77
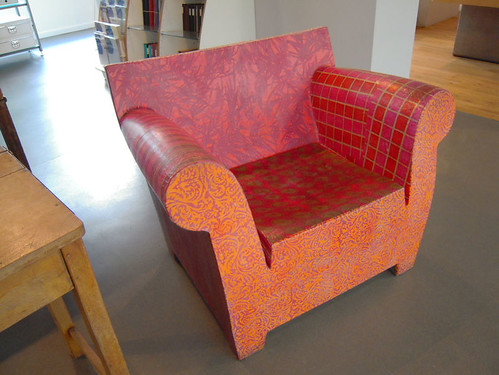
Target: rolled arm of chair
x: 200, y: 194
x: 197, y: 191
x: 389, y: 125
x: 160, y: 147
x: 376, y: 120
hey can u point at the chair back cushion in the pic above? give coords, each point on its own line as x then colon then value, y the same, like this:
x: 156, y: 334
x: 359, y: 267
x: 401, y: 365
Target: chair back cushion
x: 241, y: 102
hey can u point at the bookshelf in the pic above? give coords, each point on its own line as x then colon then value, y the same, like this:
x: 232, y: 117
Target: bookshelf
x: 138, y: 29
x: 17, y: 28
x: 144, y: 18
x: 181, y: 26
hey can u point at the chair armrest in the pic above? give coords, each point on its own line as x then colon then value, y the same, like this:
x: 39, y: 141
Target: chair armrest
x: 160, y: 147
x: 376, y: 120
x: 201, y: 194
x: 389, y: 125
x: 195, y: 189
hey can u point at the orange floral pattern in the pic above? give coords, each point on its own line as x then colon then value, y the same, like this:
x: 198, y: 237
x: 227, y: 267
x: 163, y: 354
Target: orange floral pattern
x: 189, y: 119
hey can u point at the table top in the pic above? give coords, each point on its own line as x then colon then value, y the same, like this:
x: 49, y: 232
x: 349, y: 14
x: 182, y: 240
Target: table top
x: 32, y: 220
x: 481, y: 3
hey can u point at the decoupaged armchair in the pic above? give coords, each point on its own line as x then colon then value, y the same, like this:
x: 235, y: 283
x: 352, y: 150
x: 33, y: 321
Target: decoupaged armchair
x: 283, y: 181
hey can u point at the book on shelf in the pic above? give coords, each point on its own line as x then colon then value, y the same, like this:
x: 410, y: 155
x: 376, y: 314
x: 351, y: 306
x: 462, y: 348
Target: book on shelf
x: 151, y: 50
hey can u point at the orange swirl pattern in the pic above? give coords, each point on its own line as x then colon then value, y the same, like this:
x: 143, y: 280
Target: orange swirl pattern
x: 218, y: 205
x: 189, y: 119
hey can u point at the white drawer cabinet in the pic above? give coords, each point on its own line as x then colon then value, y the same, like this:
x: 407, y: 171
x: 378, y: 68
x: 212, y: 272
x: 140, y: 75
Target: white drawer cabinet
x: 17, y: 33
x: 18, y: 44
x: 15, y: 29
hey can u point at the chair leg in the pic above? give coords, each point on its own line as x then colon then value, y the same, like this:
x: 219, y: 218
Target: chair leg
x: 404, y: 266
x: 63, y: 321
x: 250, y: 343
x: 93, y: 310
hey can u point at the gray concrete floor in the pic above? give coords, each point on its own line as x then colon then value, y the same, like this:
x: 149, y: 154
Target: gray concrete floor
x: 439, y: 318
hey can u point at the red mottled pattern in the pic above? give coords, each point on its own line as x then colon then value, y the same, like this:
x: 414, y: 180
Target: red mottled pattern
x: 242, y: 103
x: 229, y: 107
x: 293, y: 191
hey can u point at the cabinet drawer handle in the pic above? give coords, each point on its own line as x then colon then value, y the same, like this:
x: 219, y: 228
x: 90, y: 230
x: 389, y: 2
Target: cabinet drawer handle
x: 12, y: 29
x: 15, y: 44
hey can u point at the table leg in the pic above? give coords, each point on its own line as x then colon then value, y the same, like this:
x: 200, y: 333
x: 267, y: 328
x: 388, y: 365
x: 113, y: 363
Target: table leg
x: 93, y: 310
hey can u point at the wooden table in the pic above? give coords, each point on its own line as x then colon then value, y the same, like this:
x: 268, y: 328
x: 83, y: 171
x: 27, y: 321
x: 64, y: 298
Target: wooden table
x: 481, y: 3
x: 42, y: 257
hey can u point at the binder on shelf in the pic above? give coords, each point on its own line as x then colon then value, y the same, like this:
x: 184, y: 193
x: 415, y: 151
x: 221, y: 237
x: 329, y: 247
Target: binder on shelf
x: 192, y: 17
x: 199, y: 18
x: 185, y: 16
x: 157, y: 12
x: 145, y: 9
x: 150, y: 13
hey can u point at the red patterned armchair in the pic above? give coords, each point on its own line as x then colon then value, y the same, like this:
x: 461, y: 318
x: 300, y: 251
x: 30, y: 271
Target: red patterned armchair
x: 283, y: 180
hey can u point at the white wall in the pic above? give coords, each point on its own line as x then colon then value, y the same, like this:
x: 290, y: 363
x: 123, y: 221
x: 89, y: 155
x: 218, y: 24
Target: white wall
x: 228, y: 21
x: 350, y: 24
x: 394, y: 31
x: 431, y: 12
x: 365, y: 34
x: 53, y: 17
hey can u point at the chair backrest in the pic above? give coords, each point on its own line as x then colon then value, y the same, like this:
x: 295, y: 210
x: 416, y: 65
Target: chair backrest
x: 242, y: 102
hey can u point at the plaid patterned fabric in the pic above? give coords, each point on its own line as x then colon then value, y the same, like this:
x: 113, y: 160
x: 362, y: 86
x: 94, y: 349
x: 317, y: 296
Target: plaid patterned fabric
x: 370, y: 118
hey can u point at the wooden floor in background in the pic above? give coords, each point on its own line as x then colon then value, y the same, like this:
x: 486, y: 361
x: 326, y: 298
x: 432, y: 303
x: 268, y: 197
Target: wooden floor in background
x: 474, y: 83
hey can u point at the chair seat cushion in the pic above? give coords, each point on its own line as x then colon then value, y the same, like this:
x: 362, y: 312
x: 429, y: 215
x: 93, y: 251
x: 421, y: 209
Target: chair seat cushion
x: 295, y: 190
